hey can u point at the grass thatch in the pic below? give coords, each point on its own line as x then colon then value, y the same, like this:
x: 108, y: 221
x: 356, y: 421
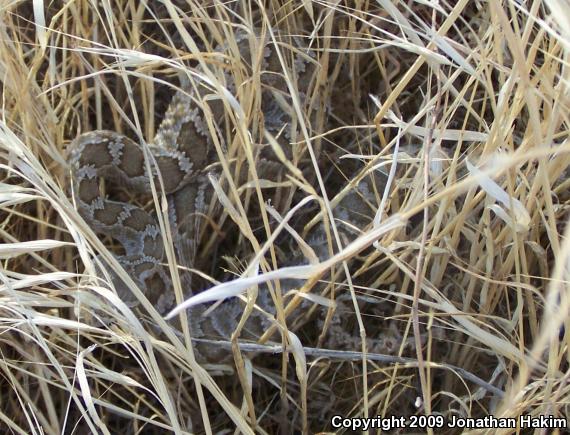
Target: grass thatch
x: 459, y: 265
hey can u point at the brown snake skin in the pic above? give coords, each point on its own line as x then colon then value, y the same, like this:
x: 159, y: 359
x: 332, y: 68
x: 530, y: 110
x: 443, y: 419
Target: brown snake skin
x: 183, y: 150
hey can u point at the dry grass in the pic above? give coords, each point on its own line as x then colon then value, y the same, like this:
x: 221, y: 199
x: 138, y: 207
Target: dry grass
x: 463, y: 107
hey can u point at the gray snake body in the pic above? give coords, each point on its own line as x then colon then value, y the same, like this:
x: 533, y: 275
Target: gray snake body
x: 182, y: 150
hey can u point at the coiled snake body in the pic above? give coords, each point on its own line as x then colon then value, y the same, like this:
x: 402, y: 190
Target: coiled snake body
x: 182, y: 150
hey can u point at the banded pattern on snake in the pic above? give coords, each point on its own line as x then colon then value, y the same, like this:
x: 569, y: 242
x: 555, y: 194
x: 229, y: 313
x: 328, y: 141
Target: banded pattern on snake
x: 182, y: 152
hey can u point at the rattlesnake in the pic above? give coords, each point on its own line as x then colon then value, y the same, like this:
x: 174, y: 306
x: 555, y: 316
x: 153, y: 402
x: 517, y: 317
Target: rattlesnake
x: 183, y: 153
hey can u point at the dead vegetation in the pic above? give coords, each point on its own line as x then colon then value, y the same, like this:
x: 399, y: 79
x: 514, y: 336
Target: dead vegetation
x: 451, y: 273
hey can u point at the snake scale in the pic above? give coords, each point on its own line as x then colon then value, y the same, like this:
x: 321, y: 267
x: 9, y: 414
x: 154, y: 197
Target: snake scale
x: 183, y: 151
